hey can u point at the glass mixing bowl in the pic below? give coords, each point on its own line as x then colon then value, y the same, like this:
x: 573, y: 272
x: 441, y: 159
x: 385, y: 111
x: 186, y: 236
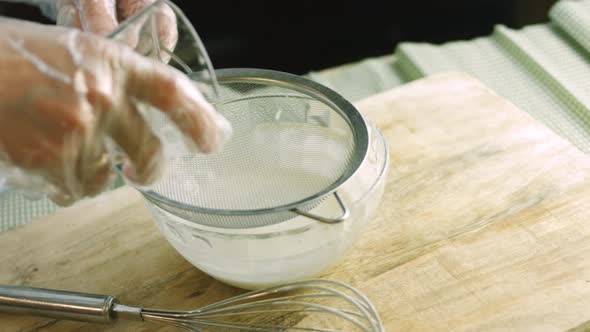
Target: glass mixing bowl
x: 292, y: 250
x: 301, y: 245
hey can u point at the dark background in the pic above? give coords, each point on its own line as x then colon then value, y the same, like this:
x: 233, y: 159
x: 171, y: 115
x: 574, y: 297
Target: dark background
x: 301, y: 36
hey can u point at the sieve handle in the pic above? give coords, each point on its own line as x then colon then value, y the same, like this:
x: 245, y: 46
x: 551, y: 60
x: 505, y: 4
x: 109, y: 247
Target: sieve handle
x: 345, y: 213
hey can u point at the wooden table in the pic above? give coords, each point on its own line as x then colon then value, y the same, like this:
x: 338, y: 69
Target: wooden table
x: 485, y: 225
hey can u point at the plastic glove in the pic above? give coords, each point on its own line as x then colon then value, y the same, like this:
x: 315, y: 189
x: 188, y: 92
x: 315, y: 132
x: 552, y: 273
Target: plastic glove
x: 65, y: 94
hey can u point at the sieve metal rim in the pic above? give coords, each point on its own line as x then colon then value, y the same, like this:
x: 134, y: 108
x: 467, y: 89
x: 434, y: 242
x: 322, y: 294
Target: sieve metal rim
x: 306, y: 86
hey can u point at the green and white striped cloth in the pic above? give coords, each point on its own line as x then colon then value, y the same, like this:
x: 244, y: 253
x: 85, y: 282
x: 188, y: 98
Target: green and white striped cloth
x: 543, y: 69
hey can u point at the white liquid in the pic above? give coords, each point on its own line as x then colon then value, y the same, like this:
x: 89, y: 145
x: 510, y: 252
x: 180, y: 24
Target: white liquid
x: 293, y: 250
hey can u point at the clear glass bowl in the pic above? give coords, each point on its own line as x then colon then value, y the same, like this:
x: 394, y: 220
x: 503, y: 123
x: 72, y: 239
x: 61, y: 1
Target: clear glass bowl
x: 251, y: 258
x: 288, y: 251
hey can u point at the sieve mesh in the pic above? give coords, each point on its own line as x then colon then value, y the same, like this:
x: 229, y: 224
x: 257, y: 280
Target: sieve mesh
x: 294, y: 140
x: 293, y: 143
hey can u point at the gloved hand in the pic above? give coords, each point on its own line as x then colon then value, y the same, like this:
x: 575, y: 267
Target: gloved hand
x: 65, y: 94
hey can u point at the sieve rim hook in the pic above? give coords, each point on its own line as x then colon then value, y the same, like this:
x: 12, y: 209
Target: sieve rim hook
x: 345, y: 212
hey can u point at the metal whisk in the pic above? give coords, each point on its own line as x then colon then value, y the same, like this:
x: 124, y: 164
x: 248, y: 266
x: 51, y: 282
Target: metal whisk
x: 310, y: 305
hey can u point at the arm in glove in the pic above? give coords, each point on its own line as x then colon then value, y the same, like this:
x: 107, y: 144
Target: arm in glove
x: 65, y: 94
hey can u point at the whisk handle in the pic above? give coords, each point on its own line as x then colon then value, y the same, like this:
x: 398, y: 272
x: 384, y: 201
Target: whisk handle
x: 93, y: 308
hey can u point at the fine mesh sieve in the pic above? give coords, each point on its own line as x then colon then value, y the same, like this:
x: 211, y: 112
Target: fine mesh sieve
x: 294, y: 142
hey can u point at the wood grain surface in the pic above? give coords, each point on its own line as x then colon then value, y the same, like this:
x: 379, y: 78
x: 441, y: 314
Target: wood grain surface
x: 485, y: 226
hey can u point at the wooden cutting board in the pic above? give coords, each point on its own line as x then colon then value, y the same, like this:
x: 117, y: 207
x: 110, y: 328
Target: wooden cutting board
x: 485, y: 226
